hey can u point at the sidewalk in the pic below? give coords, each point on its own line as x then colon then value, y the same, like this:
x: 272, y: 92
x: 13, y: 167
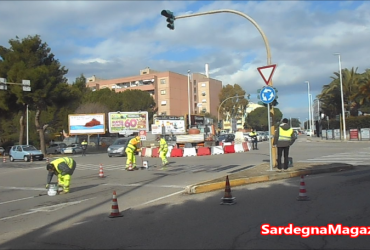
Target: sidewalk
x: 262, y: 173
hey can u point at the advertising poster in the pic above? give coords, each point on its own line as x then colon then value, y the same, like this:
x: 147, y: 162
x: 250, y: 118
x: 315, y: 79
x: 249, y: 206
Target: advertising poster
x: 128, y: 121
x: 329, y: 134
x: 336, y: 134
x: 172, y: 124
x: 365, y: 134
x: 323, y: 134
x: 353, y: 134
x: 83, y: 124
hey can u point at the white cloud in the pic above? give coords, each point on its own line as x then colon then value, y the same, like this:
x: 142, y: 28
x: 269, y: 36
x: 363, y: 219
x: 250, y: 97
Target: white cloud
x: 112, y: 39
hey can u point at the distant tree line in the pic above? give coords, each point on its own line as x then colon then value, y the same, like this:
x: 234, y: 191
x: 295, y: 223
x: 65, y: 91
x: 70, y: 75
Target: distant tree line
x: 51, y: 98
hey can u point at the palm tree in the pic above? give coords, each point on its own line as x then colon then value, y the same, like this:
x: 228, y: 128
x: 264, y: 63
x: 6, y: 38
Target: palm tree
x: 330, y: 96
x: 363, y: 94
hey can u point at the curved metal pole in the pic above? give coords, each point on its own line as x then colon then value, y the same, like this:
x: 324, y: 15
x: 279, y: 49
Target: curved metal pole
x: 240, y: 14
x: 218, y: 112
x: 271, y: 110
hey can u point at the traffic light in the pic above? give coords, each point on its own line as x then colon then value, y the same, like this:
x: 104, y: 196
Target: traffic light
x: 170, y: 18
x: 220, y: 124
x: 275, y: 102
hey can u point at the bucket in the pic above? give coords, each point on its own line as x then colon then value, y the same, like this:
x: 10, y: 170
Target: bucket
x: 290, y: 162
x: 145, y: 164
x: 53, y: 189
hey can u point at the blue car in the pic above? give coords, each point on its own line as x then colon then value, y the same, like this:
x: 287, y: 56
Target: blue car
x: 25, y: 153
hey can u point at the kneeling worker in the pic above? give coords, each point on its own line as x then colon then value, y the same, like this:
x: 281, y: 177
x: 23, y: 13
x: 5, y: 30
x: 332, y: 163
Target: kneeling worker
x: 132, y: 147
x: 63, y: 168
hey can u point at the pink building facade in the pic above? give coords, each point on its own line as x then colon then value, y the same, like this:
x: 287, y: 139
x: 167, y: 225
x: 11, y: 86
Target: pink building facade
x: 169, y: 90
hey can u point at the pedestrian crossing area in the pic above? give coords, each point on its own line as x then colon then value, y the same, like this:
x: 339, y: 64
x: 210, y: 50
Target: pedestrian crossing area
x: 361, y: 157
x: 172, y: 168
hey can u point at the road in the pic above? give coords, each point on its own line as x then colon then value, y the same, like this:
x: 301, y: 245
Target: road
x: 26, y: 210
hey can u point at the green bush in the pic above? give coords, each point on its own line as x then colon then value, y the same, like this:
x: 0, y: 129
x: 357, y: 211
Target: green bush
x: 352, y: 122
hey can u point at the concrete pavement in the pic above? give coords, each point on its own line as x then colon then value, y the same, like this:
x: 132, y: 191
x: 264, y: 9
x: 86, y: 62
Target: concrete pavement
x: 262, y: 173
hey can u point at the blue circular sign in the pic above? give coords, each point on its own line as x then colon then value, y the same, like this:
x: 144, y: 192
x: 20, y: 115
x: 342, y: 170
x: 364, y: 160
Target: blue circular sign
x: 267, y: 94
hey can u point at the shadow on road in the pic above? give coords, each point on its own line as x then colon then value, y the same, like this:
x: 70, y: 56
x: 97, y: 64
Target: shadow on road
x: 200, y: 222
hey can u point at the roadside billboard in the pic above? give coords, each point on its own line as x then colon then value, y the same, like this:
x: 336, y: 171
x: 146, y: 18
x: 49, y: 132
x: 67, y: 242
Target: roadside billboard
x: 172, y: 124
x: 128, y: 122
x: 84, y: 124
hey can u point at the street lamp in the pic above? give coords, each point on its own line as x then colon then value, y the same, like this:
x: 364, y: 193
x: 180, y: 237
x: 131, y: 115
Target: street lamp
x: 309, y: 108
x: 341, y: 96
x: 218, y: 112
x: 27, y: 121
x: 312, y: 124
x: 189, y: 99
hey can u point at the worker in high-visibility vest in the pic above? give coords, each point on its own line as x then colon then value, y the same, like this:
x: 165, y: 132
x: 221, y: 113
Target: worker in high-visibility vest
x: 63, y: 168
x: 253, y: 136
x: 84, y: 147
x: 163, y: 149
x: 283, y: 139
x: 132, y: 147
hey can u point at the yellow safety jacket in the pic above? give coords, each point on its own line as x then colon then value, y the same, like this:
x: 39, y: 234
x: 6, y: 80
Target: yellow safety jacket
x: 133, y: 144
x: 163, y: 145
x: 285, y: 135
x: 64, y: 165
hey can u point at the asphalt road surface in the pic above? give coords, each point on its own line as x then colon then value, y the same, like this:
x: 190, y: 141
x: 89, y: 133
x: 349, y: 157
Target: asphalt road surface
x: 158, y: 215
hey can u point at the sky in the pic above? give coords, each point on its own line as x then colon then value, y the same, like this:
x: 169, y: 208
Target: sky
x: 112, y: 39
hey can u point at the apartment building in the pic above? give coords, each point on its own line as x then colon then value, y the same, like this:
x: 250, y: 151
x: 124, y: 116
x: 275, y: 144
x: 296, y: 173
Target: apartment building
x: 169, y: 90
x: 240, y: 117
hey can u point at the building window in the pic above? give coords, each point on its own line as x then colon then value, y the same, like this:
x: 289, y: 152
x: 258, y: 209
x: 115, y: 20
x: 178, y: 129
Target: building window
x: 195, y: 82
x: 195, y: 90
x: 204, y: 100
x: 204, y: 110
x: 163, y: 92
x: 203, y: 93
x: 163, y: 81
x: 163, y: 103
x: 203, y: 84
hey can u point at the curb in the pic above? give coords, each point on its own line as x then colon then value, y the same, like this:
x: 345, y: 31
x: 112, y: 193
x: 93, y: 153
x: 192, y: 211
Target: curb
x: 203, y: 188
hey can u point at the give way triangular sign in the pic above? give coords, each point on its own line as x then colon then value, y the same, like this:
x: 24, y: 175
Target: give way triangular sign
x: 266, y: 72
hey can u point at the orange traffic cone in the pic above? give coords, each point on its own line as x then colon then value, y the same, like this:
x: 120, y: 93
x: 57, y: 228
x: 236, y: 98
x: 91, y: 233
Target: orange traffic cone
x: 4, y: 159
x: 302, y: 191
x: 101, y: 173
x: 228, y: 198
x: 31, y: 158
x: 47, y: 160
x: 115, y: 210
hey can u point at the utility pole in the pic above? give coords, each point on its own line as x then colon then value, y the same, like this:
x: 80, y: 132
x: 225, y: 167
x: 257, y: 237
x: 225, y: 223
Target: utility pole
x: 170, y: 20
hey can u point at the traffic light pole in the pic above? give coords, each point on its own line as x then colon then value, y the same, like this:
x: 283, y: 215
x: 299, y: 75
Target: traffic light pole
x: 270, y: 107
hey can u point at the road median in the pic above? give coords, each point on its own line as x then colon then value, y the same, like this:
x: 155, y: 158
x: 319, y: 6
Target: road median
x: 261, y: 173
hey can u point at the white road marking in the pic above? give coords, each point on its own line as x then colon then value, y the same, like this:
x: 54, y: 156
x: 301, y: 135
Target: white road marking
x: 160, y: 198
x: 14, y: 216
x: 47, y: 209
x: 23, y: 188
x: 345, y: 162
x: 143, y: 185
x: 58, y: 206
x: 26, y: 198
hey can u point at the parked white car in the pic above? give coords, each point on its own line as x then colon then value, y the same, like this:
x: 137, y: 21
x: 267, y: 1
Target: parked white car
x: 309, y: 132
x: 72, y: 149
x: 247, y: 137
